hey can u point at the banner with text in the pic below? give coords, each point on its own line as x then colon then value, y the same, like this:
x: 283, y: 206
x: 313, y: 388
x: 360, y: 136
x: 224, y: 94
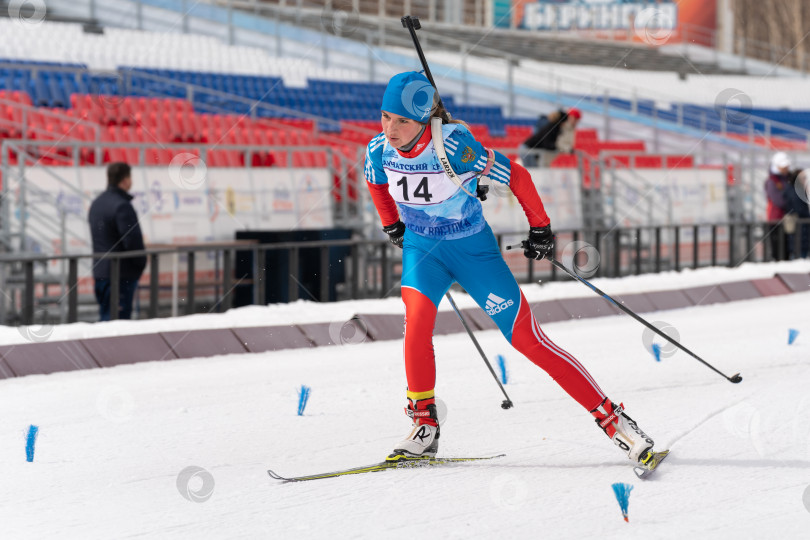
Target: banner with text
x: 559, y: 190
x: 223, y: 201
x: 655, y: 23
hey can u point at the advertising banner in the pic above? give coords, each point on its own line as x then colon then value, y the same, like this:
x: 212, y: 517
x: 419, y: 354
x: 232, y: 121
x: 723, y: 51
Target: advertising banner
x: 655, y: 23
x: 559, y: 190
x: 662, y: 197
x: 172, y: 209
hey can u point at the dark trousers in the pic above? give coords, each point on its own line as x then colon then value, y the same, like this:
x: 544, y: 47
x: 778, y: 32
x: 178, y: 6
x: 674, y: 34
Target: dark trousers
x: 780, y: 243
x: 126, y: 291
x: 804, y: 243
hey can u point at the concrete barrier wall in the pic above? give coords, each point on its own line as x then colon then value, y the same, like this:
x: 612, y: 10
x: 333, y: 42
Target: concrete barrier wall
x: 54, y: 356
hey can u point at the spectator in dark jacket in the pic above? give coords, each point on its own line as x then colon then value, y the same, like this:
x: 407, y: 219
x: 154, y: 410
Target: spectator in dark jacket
x: 775, y: 187
x: 114, y: 228
x: 554, y: 133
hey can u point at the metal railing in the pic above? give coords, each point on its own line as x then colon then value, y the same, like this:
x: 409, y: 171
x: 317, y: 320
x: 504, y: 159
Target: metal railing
x: 626, y: 251
x: 373, y: 267
x: 369, y: 265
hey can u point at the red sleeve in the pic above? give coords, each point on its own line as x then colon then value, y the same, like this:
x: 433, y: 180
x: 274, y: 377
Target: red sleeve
x: 520, y: 181
x: 384, y: 203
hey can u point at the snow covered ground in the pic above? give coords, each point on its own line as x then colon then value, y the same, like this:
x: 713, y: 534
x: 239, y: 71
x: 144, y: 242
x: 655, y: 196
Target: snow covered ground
x: 115, y: 443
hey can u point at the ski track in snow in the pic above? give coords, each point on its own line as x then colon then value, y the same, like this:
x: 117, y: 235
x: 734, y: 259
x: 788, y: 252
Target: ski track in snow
x: 113, y: 441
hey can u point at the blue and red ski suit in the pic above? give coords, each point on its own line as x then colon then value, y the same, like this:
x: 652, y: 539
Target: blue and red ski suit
x: 448, y: 240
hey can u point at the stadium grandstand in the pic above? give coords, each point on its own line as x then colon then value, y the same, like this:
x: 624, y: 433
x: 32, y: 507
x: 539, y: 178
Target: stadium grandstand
x: 246, y: 124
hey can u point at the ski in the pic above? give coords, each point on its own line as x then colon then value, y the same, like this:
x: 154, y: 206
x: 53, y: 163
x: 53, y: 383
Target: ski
x: 644, y: 471
x: 401, y: 463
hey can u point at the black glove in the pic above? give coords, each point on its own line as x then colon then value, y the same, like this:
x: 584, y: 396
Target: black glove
x: 540, y: 244
x: 396, y: 233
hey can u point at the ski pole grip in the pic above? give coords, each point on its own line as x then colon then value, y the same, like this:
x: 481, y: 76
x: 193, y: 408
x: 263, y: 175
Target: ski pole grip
x: 408, y: 20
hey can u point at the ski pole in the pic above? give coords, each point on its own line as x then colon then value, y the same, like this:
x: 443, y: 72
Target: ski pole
x: 734, y: 378
x: 507, y: 403
x: 412, y: 24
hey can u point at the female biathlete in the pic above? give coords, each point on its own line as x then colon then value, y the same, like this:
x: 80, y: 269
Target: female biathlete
x: 440, y: 226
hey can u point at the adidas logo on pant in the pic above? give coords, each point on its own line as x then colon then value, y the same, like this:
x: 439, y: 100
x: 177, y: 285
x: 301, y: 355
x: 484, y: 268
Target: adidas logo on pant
x: 496, y: 304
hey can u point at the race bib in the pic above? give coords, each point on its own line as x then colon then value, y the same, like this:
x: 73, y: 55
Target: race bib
x: 420, y: 188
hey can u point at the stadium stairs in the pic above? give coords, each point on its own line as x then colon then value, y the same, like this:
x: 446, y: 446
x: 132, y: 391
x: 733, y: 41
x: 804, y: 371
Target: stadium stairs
x: 545, y: 47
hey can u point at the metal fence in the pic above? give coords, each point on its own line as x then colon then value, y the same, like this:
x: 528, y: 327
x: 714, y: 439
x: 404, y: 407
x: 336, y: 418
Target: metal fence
x: 371, y: 268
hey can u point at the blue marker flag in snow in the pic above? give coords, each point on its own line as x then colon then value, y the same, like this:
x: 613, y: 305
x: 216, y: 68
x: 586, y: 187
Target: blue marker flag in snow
x: 656, y: 349
x: 622, y: 492
x: 792, y: 335
x: 30, y: 441
x: 502, y: 365
x: 303, y: 396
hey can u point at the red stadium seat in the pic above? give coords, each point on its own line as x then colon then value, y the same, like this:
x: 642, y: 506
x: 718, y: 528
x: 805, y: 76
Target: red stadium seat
x: 301, y: 159
x: 677, y: 162
x: 158, y: 156
x: 279, y: 158
x: 197, y: 128
x: 617, y: 161
x: 111, y: 155
x: 320, y: 159
x: 565, y: 160
x: 649, y: 162
x: 583, y: 135
x: 214, y: 158
x: 518, y: 131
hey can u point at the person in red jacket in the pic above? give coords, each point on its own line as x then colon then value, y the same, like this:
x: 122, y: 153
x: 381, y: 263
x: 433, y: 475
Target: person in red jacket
x: 438, y: 222
x: 777, y: 182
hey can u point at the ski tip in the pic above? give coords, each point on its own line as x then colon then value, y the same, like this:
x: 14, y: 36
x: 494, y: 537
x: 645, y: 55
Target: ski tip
x: 276, y: 476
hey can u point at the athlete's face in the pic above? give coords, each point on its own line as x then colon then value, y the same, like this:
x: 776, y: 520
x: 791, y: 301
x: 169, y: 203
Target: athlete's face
x: 399, y: 130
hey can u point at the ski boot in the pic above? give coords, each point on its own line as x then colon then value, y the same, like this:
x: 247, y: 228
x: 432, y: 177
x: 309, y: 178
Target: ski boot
x: 624, y: 432
x: 423, y: 441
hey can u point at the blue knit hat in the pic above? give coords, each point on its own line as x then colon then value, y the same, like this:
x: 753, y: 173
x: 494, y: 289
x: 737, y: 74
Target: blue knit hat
x: 409, y: 94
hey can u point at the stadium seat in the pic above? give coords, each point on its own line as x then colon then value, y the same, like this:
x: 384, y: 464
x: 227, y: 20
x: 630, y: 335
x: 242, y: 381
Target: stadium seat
x: 650, y: 162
